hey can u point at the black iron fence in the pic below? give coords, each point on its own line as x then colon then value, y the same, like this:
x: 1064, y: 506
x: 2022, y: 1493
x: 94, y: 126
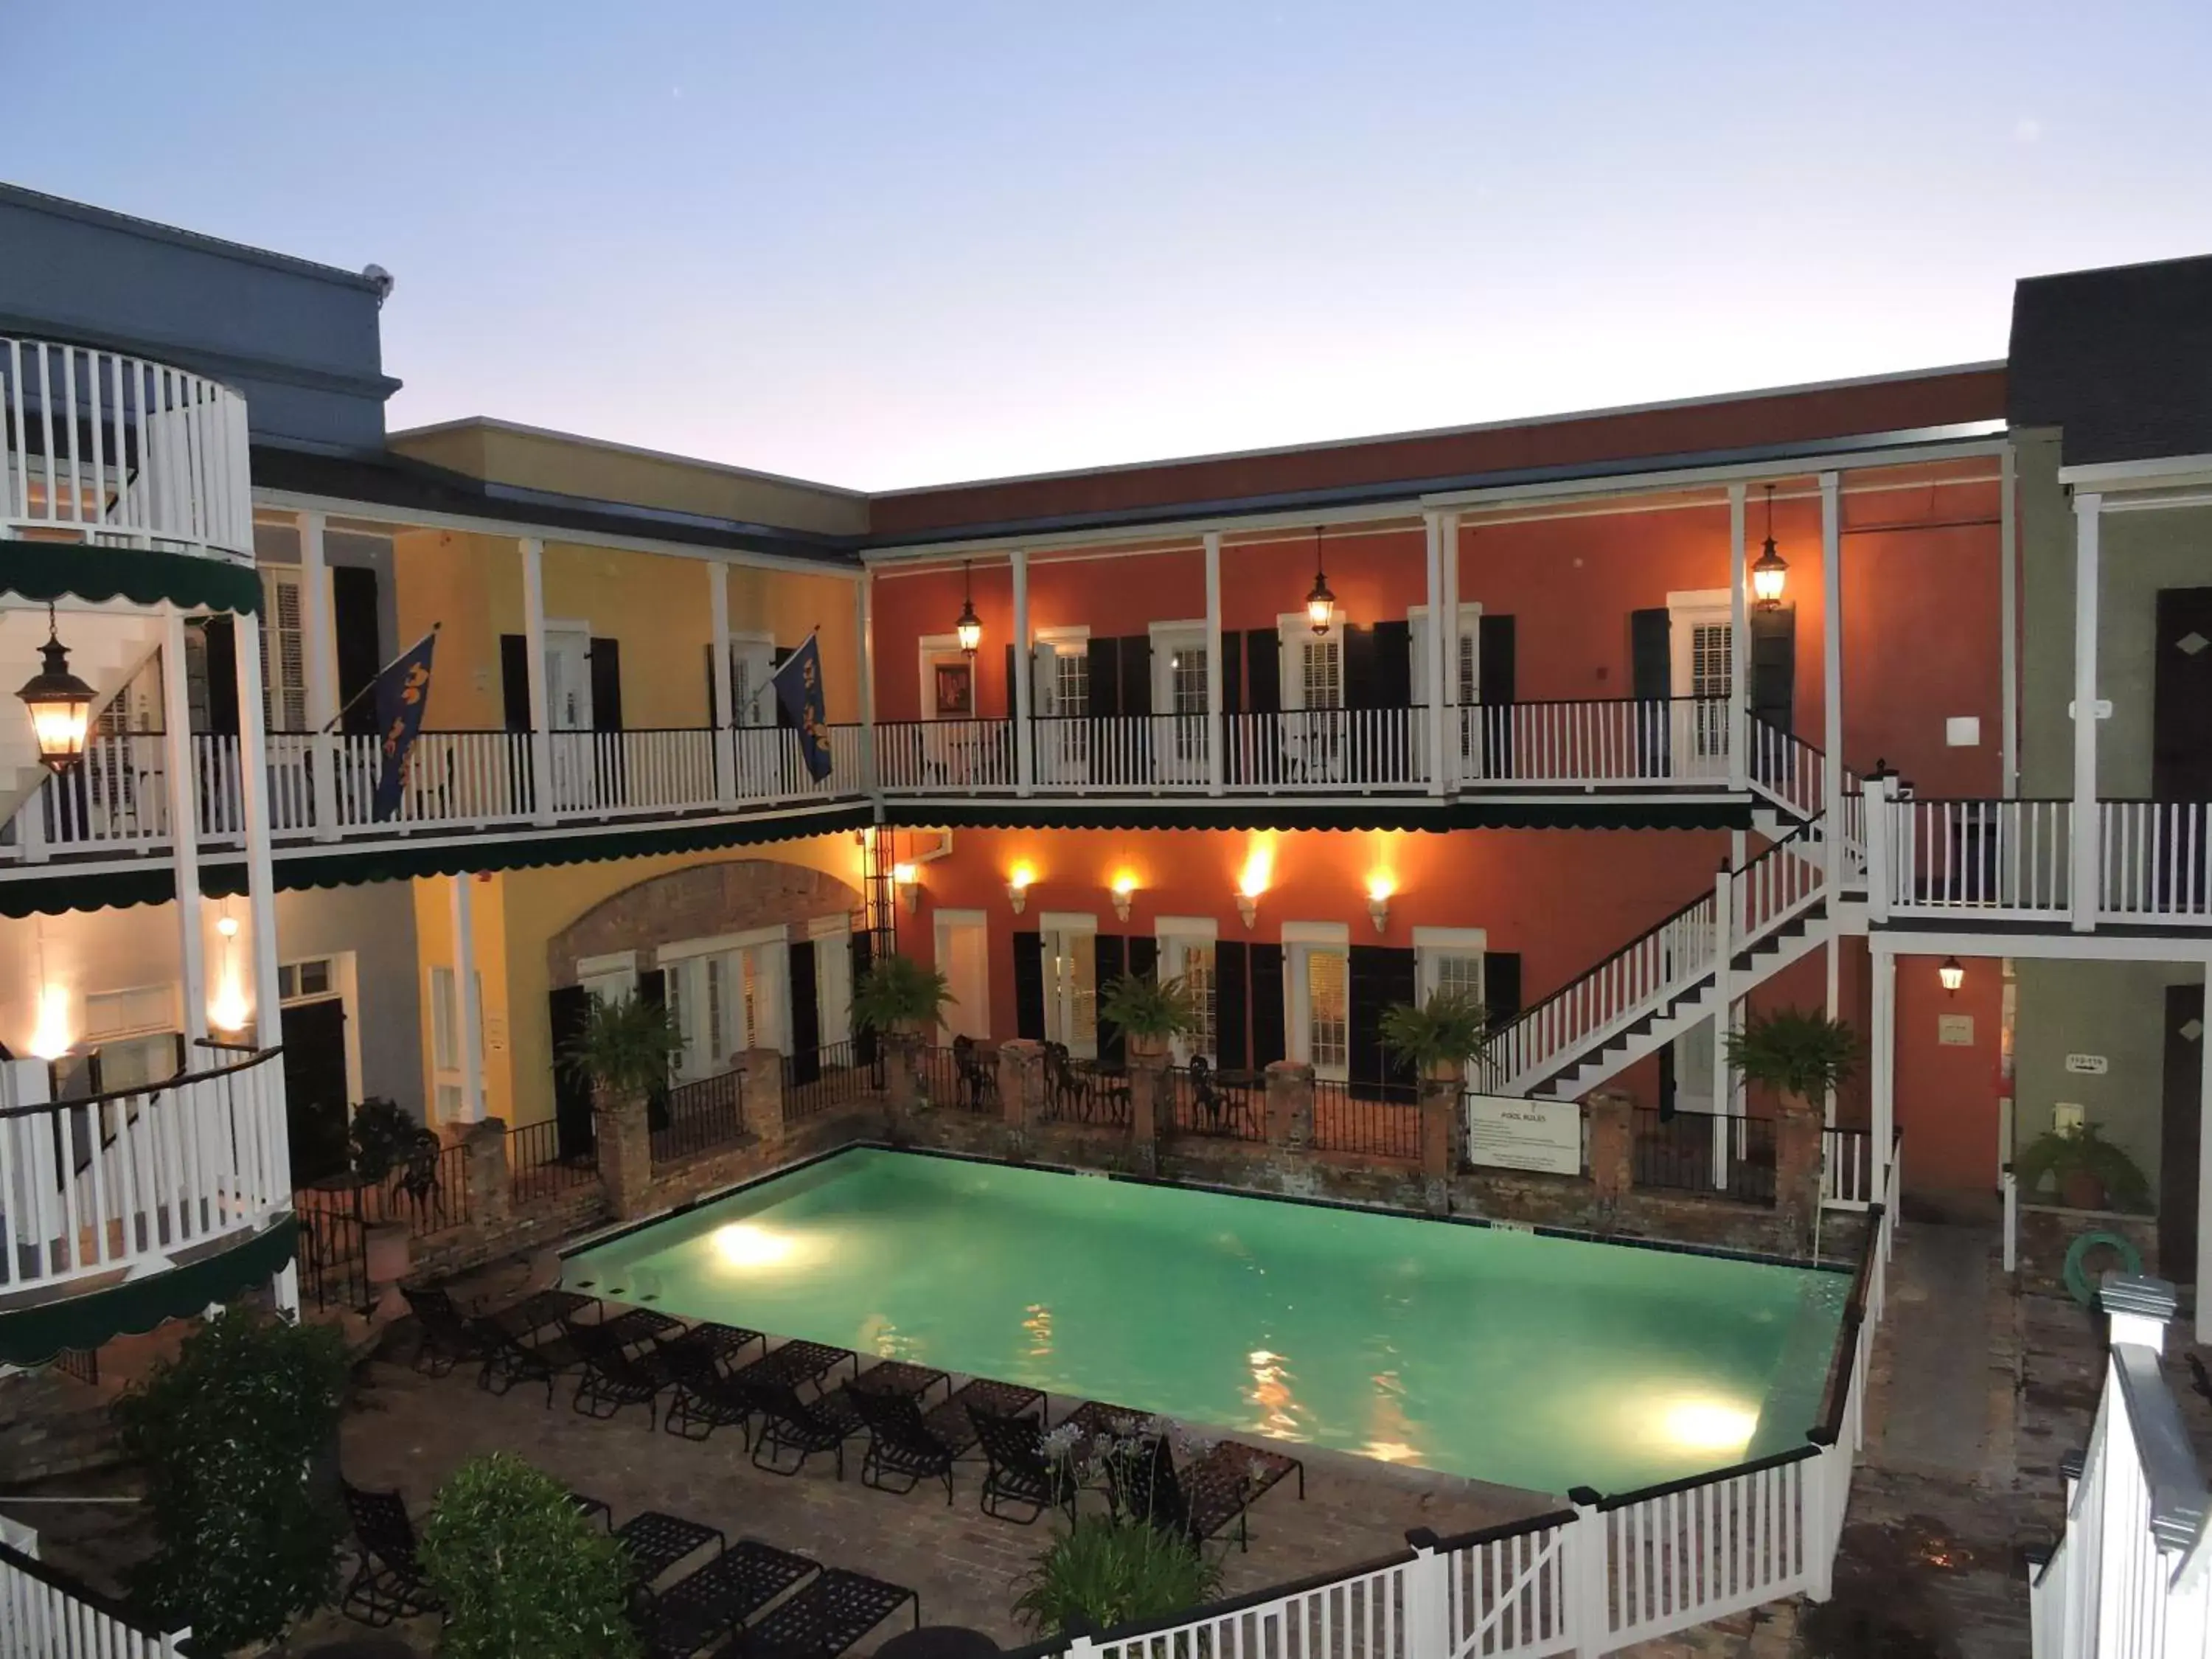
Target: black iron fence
x: 536, y: 1169
x: 1684, y: 1152
x: 1200, y: 1100
x: 958, y: 1079
x: 1346, y: 1122
x: 1083, y: 1092
x: 815, y: 1080
x: 707, y: 1116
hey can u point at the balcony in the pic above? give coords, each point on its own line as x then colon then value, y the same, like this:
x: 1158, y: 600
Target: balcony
x: 117, y: 451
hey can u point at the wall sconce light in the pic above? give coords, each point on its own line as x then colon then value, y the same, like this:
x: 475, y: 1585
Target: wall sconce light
x: 1768, y: 571
x: 1247, y: 906
x: 227, y: 1012
x: 1018, y: 886
x: 1258, y: 870
x: 1952, y: 974
x: 1380, y: 887
x: 908, y: 880
x: 1124, y: 889
x: 969, y: 630
x: 50, y: 1038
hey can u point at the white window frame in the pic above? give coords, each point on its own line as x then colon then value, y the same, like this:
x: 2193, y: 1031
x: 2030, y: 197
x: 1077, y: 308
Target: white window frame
x: 1061, y: 1021
x: 559, y: 631
x: 448, y: 1086
x: 1301, y: 941
x: 1294, y: 632
x: 832, y: 938
x: 770, y: 961
x: 1175, y: 936
x: 284, y: 679
x: 345, y: 990
x: 1167, y: 639
x: 943, y: 924
x: 1467, y: 642
x: 608, y: 978
x: 755, y: 652
x: 1431, y: 945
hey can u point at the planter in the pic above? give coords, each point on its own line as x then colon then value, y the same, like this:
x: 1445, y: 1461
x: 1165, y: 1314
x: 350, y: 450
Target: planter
x: 2081, y: 1189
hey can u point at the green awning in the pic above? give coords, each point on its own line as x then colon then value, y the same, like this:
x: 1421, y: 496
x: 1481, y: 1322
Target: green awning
x: 33, y: 1336
x: 43, y: 571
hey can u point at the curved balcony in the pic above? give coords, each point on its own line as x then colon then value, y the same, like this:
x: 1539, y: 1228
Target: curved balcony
x: 116, y: 450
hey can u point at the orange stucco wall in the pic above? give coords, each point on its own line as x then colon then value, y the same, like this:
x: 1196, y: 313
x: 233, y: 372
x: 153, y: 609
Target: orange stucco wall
x: 1947, y: 1097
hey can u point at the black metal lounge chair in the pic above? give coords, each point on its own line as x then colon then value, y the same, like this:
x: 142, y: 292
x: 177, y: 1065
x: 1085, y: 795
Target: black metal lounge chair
x: 723, y: 1342
x: 514, y: 1360
x: 541, y: 1311
x: 823, y: 1619
x: 389, y: 1584
x: 789, y: 1424
x: 702, y: 1399
x: 713, y: 1601
x: 611, y: 1379
x: 633, y: 1328
x: 1022, y: 1476
x: 656, y: 1541
x: 1203, y: 1498
x: 448, y: 1337
x: 954, y: 1422
x: 800, y: 1363
x: 898, y: 1377
x: 902, y: 1451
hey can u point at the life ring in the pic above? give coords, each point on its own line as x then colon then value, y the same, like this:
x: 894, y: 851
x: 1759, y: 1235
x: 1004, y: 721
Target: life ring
x: 2077, y: 1278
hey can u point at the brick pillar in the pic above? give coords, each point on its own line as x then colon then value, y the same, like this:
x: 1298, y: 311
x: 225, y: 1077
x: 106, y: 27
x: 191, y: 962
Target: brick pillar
x: 1148, y: 1099
x: 1612, y: 1118
x: 625, y: 1143
x: 1290, y: 1104
x: 1797, y: 1168
x: 1442, y: 1136
x: 763, y: 1074
x: 490, y: 1183
x: 902, y: 1085
x: 1021, y: 1081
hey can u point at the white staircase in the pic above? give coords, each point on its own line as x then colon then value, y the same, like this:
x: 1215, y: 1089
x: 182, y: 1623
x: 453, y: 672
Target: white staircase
x: 107, y: 646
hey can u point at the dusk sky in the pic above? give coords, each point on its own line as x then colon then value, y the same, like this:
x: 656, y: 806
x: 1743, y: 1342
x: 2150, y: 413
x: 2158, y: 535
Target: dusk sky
x: 913, y: 242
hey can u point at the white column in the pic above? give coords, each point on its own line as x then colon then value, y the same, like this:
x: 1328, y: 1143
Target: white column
x: 467, y: 1009
x: 1217, y: 727
x: 184, y: 825
x: 1739, y: 649
x: 1835, y: 998
x: 719, y: 711
x: 1432, y: 694
x: 2086, y: 852
x: 322, y: 672
x: 1832, y: 675
x: 1024, y: 656
x: 2203, y: 1169
x: 533, y: 635
x: 1882, y: 1053
x: 864, y: 623
x: 260, y: 891
x: 2008, y: 622
x: 1724, y: 1019
x: 1448, y: 551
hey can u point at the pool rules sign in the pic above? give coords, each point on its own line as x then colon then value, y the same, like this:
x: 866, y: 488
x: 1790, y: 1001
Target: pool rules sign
x: 1508, y: 1132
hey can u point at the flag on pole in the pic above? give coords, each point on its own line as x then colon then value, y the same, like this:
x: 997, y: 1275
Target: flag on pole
x: 403, y: 692
x: 798, y: 689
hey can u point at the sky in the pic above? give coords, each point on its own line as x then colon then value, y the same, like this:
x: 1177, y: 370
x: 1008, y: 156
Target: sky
x: 924, y: 240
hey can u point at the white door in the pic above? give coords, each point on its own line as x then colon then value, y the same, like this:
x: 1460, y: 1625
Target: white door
x: 1190, y: 959
x: 1179, y: 690
x: 568, y: 709
x: 1313, y: 695
x: 1320, y: 1009
x: 963, y: 957
x: 833, y: 991
x: 1071, y: 989
x: 1701, y: 665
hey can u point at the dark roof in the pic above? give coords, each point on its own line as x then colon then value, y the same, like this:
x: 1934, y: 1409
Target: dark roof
x: 399, y: 481
x: 2119, y: 359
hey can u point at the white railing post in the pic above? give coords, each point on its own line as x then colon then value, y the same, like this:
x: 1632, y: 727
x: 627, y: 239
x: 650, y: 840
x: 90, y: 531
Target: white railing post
x: 315, y: 611
x: 1880, y: 846
x: 1588, y: 1576
x: 720, y: 714
x: 1440, y: 631
x: 184, y: 818
x: 1819, y: 1506
x: 1428, y: 1599
x: 1020, y: 707
x: 1831, y: 679
x: 1739, y: 711
x: 864, y: 632
x: 2085, y: 711
x: 533, y: 633
x: 1723, y: 999
x: 1216, y: 726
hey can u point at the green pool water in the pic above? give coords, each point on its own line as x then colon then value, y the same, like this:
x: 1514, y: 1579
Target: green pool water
x: 1540, y: 1362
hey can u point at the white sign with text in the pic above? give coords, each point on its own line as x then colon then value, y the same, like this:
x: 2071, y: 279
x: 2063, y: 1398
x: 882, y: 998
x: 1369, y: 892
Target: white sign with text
x: 1508, y: 1132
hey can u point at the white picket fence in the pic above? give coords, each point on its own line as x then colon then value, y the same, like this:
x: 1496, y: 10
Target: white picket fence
x: 45, y: 1614
x: 1601, y: 1575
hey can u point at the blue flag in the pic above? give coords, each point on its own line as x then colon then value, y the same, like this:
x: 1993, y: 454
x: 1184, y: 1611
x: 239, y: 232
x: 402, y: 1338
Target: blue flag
x: 403, y: 692
x: 798, y: 689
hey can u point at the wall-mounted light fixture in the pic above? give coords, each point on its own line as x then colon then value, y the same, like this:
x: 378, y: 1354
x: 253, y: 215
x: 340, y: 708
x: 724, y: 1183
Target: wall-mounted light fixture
x: 227, y: 1012
x: 1379, y: 886
x: 1124, y: 889
x: 1018, y: 881
x: 1952, y: 974
x: 60, y: 705
x: 969, y: 628
x: 1321, y: 604
x: 908, y: 879
x: 1258, y: 870
x: 50, y: 1038
x: 1768, y: 572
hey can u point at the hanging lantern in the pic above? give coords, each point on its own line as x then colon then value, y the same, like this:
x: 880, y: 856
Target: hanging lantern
x: 969, y: 628
x: 1321, y: 604
x: 60, y: 705
x: 1768, y: 571
x: 1952, y: 975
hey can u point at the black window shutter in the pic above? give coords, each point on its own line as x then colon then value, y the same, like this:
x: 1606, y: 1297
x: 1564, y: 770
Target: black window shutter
x: 1137, y: 675
x: 1379, y: 978
x: 221, y: 661
x: 806, y: 1048
x: 1268, y: 1010
x: 514, y: 680
x: 776, y: 657
x: 1263, y: 657
x: 568, y: 1007
x: 1649, y: 651
x: 1109, y: 959
x: 1359, y: 688
x: 1105, y: 660
x: 864, y: 957
x: 652, y: 991
x: 1501, y: 985
x: 1009, y: 684
x: 1394, y: 663
x: 606, y: 685
x: 1494, y: 636
x: 1666, y: 1081
x: 1232, y: 673
x: 1774, y: 665
x: 1229, y: 1052
x: 1029, y: 986
x: 359, y: 648
x: 1143, y: 955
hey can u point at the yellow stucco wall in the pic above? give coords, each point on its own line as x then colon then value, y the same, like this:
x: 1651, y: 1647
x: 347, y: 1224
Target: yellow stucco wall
x: 469, y: 587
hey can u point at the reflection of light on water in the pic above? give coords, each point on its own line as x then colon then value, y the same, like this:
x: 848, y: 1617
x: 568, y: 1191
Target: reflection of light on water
x: 1271, y: 1392
x: 1037, y: 1321
x: 1701, y: 1423
x: 1390, y: 1437
x: 749, y: 1244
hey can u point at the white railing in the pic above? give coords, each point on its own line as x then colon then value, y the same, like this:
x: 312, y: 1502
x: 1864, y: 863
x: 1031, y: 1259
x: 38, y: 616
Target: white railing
x: 942, y: 756
x: 2153, y: 860
x: 92, y: 1186
x: 2132, y: 1576
x: 2000, y: 859
x: 1615, y: 741
x: 1847, y: 1170
x: 767, y: 765
x: 612, y: 774
x: 1785, y: 769
x: 1139, y: 753
x: 118, y: 800
x: 1321, y: 750
x: 46, y: 1614
x: 115, y: 450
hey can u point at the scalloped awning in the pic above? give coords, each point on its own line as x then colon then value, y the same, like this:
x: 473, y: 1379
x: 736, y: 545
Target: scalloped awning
x: 45, y: 571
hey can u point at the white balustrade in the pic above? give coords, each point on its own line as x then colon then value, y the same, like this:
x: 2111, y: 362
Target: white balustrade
x: 1999, y: 859
x: 1846, y: 1169
x: 47, y: 1613
x: 1623, y: 743
x: 1140, y: 753
x: 1323, y: 751
x: 945, y: 757
x: 2153, y: 863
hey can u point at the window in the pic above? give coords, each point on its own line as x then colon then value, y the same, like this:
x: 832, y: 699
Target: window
x: 297, y: 981
x: 1321, y: 676
x: 751, y: 703
x: 1187, y: 953
x: 1464, y: 681
x: 1459, y: 975
x: 1187, y: 680
x: 445, y: 1029
x: 1711, y: 660
x: 1328, y: 1012
x: 283, y: 652
x: 833, y: 979
x: 1703, y: 666
x: 722, y: 1002
x: 1197, y: 974
x: 1071, y: 688
x: 1071, y: 986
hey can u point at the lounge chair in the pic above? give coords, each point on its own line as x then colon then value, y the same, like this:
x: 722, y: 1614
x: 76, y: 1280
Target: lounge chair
x: 611, y: 1377
x: 389, y: 1583
x: 1022, y: 1475
x: 449, y: 1337
x: 902, y: 1451
x: 953, y: 1422
x: 711, y: 1603
x: 655, y: 1541
x: 800, y: 1363
x: 1203, y: 1498
x: 823, y: 1619
x: 789, y: 1424
x: 703, y: 1399
x: 898, y: 1377
x: 515, y: 1360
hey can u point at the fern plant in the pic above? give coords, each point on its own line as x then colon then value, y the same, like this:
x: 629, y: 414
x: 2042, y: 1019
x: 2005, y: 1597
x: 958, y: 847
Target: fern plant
x: 1796, y: 1052
x: 2073, y: 1158
x: 1146, y: 1006
x: 897, y: 994
x: 626, y: 1046
x: 1450, y: 1029
x: 1106, y: 1570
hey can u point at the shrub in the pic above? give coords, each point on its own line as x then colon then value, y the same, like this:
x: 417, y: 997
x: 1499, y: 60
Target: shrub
x: 1447, y: 1030
x: 523, y: 1574
x: 897, y: 994
x: 1797, y: 1052
x: 227, y: 1432
x: 1109, y: 1571
x: 1145, y: 1006
x: 626, y: 1046
x: 2058, y: 1155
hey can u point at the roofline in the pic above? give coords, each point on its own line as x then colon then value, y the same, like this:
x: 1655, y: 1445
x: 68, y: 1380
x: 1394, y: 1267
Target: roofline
x: 1514, y: 423
x: 62, y: 207
x: 492, y: 423
x: 2107, y: 270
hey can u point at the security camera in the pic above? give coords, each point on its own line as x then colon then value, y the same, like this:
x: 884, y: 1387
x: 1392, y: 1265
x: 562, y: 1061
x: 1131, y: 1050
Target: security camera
x: 381, y: 280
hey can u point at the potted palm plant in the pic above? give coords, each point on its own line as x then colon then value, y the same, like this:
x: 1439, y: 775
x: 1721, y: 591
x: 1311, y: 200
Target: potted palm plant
x: 624, y: 1051
x: 900, y: 1001
x: 2090, y: 1171
x: 1799, y: 1054
x: 1438, y: 1039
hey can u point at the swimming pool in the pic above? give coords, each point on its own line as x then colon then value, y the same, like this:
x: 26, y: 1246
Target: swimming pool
x: 1540, y: 1363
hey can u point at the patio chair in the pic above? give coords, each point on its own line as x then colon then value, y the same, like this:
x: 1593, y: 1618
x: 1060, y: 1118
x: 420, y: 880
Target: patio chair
x: 1203, y: 1498
x: 612, y: 1378
x: 789, y: 1424
x: 825, y: 1620
x: 800, y: 1363
x: 655, y: 1540
x: 515, y: 1360
x: 898, y: 1377
x: 953, y: 1421
x: 714, y: 1602
x: 448, y: 1337
x: 1064, y: 1086
x: 1022, y: 1475
x: 701, y: 1399
x: 977, y: 1080
x: 388, y: 1584
x: 902, y: 1451
x: 1205, y: 1100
